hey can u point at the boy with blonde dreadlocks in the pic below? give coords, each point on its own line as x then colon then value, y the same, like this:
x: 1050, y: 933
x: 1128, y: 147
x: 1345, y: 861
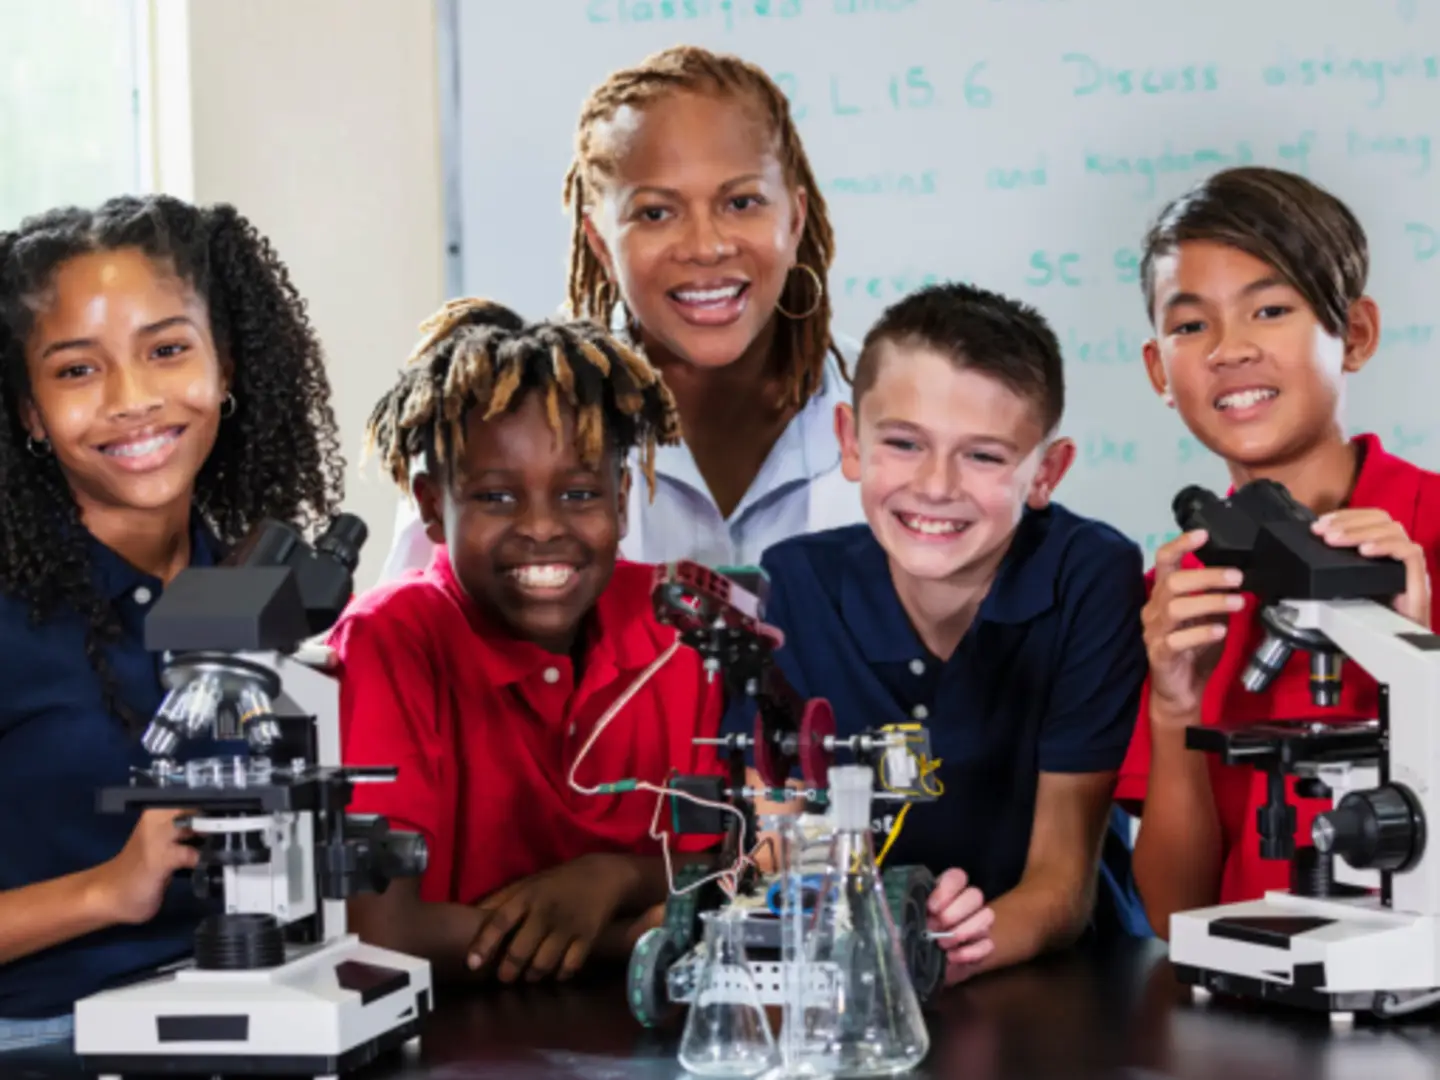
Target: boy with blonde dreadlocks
x: 699, y: 228
x: 485, y: 676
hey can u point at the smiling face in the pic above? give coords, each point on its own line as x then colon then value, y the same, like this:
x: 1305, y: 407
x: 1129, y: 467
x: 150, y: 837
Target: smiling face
x: 947, y: 458
x: 696, y: 223
x: 532, y: 532
x: 125, y: 381
x: 1242, y: 356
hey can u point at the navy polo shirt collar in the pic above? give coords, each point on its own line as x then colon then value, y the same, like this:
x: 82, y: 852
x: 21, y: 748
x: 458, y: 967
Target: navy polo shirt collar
x: 1024, y: 589
x: 115, y: 577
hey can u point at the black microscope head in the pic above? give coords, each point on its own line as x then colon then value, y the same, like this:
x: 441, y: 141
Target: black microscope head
x: 1262, y: 530
x: 270, y: 594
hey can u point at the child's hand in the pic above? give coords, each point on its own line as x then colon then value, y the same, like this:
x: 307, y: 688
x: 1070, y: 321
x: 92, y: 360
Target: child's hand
x: 552, y: 919
x: 1376, y: 534
x: 133, y: 883
x: 1186, y: 619
x: 960, y: 922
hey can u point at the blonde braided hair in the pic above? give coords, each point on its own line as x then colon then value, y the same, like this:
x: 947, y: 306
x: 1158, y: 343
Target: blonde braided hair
x: 474, y: 353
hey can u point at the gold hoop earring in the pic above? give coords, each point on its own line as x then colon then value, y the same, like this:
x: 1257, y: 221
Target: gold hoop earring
x: 819, y: 294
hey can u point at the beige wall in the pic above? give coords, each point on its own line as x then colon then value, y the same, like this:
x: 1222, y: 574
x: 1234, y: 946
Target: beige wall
x: 320, y: 121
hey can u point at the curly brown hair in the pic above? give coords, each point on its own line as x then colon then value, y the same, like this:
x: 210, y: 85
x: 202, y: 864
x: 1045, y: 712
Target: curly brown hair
x: 276, y: 456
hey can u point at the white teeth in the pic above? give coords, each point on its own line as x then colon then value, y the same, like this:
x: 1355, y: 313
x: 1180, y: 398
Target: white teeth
x: 140, y: 449
x: 932, y: 526
x: 708, y: 296
x: 1243, y: 399
x: 543, y: 577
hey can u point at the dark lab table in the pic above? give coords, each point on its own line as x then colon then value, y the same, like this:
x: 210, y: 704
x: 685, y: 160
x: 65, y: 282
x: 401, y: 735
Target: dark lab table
x: 1115, y: 1014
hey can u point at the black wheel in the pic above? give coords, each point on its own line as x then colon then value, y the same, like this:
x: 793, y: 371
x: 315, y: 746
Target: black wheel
x: 907, y: 889
x: 645, y: 991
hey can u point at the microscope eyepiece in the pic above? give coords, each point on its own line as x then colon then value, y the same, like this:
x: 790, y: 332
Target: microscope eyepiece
x: 343, y: 540
x: 1190, y: 504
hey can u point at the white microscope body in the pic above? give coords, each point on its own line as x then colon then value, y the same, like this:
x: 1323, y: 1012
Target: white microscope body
x: 277, y: 985
x: 1359, y: 930
x: 1378, y: 950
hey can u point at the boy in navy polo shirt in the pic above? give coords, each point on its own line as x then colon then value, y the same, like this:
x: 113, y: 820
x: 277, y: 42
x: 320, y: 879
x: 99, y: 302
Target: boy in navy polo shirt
x: 971, y: 602
x: 486, y: 677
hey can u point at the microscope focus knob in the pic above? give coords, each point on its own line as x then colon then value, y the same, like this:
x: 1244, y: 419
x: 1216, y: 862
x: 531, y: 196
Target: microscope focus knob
x: 1382, y: 829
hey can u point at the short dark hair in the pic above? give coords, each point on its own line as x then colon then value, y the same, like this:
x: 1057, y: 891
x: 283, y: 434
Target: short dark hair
x: 978, y: 330
x: 1309, y: 236
x: 477, y: 354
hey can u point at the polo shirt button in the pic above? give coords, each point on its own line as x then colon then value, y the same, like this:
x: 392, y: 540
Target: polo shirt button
x: 572, y: 729
x: 142, y: 595
x: 917, y: 667
x: 919, y: 712
x: 551, y: 675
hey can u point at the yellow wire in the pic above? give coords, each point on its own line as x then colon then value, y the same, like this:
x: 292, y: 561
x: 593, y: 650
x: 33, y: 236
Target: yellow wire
x: 894, y: 832
x: 929, y: 784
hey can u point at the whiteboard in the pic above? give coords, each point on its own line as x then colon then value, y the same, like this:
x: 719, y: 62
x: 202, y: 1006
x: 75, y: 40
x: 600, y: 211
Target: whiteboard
x: 1023, y: 145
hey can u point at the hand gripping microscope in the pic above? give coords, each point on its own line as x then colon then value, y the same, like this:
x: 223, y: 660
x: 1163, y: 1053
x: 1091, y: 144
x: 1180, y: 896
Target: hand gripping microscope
x: 1359, y: 928
x: 276, y: 984
x: 719, y: 614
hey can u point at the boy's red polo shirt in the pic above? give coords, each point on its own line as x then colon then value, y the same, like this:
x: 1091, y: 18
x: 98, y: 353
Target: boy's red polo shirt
x: 1411, y: 496
x: 484, y: 728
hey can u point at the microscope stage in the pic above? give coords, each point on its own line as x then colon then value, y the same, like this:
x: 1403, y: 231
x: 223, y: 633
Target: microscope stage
x: 1331, y: 955
x: 328, y: 1010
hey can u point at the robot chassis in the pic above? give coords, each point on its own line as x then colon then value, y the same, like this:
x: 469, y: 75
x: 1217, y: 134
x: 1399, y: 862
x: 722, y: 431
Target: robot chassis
x: 720, y: 615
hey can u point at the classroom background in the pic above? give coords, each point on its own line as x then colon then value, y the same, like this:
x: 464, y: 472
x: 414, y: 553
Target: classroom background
x: 399, y: 152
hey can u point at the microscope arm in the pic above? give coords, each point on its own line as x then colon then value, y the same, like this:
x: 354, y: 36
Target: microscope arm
x: 1387, y: 645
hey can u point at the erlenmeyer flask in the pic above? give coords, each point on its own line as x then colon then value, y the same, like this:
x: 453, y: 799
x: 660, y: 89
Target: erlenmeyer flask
x: 806, y: 997
x: 876, y: 1028
x: 726, y: 1033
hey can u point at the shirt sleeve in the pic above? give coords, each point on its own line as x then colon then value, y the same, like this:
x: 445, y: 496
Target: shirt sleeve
x: 389, y: 715
x: 1096, y: 692
x: 412, y: 548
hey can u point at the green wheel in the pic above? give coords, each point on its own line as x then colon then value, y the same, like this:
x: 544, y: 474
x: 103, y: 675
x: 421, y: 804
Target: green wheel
x: 907, y: 889
x: 682, y: 909
x: 645, y: 991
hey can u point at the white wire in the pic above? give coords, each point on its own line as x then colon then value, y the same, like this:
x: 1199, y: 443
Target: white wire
x: 730, y: 878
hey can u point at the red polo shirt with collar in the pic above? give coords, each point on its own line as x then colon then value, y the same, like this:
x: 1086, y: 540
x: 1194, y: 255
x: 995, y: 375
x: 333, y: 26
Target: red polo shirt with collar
x: 1411, y: 496
x: 484, y: 728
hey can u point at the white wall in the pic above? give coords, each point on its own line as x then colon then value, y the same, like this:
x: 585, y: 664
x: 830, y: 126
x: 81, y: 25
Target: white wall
x: 319, y: 120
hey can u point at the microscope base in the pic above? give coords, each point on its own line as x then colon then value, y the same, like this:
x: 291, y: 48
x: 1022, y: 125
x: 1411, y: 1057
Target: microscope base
x: 1335, y: 956
x: 327, y: 1010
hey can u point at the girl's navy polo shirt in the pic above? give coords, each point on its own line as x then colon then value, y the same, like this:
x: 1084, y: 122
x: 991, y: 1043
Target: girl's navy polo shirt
x: 58, y: 746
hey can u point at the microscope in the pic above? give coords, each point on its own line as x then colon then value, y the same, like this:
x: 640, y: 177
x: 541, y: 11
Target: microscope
x: 276, y: 984
x: 720, y: 614
x: 1358, y: 931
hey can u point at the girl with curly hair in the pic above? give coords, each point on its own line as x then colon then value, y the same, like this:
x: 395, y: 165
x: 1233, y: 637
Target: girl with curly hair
x: 163, y: 392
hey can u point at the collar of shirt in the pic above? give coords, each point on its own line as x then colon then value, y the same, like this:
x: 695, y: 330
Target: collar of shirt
x: 806, y: 449
x: 115, y: 577
x: 1386, y: 481
x: 615, y: 637
x: 1024, y: 587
